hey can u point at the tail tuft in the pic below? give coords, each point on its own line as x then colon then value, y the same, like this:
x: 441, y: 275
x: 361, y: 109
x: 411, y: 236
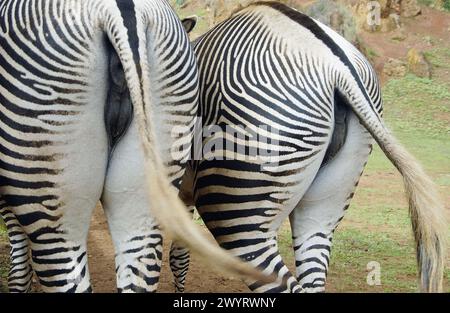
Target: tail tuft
x: 429, y: 222
x: 166, y: 207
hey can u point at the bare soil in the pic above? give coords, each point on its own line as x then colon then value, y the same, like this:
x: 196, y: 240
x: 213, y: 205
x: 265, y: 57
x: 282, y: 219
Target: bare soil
x: 101, y: 264
x: 423, y: 32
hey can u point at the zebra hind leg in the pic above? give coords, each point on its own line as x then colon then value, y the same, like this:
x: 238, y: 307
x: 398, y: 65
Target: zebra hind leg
x: 246, y: 204
x: 266, y: 256
x: 323, y: 206
x: 20, y: 272
x: 246, y: 233
x: 179, y: 259
x: 136, y: 237
x: 249, y: 230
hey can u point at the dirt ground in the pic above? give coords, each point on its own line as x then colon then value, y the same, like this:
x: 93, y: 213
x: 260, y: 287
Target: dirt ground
x: 422, y: 32
x: 101, y: 263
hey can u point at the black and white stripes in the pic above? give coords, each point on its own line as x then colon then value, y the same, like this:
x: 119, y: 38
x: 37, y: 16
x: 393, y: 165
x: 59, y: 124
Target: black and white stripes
x: 43, y: 87
x: 272, y: 73
x: 67, y: 68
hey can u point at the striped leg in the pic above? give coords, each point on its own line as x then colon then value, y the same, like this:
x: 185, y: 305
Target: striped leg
x: 137, y: 239
x: 244, y: 207
x: 179, y: 259
x: 265, y: 255
x: 54, y: 206
x: 57, y: 219
x: 323, y: 206
x: 261, y: 251
x: 20, y: 271
x: 244, y: 227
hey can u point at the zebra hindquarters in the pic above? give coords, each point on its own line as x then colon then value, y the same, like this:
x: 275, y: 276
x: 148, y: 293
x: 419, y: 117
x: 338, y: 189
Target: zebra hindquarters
x: 170, y: 80
x: 53, y: 152
x: 244, y: 202
x: 323, y: 206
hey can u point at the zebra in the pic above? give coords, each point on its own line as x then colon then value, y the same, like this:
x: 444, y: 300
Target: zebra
x: 273, y: 65
x: 89, y: 93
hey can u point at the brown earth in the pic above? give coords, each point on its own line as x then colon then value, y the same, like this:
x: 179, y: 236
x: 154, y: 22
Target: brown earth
x: 101, y: 264
x: 423, y: 32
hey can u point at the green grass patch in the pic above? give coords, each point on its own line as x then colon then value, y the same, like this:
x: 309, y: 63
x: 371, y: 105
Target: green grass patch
x: 371, y: 53
x: 354, y: 249
x: 445, y: 5
x: 4, y: 259
x: 418, y: 112
x: 438, y: 57
x: 380, y: 214
x: 426, y: 2
x: 2, y: 228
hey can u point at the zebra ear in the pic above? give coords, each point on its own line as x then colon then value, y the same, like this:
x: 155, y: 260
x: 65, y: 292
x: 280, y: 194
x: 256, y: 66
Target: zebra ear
x: 189, y: 23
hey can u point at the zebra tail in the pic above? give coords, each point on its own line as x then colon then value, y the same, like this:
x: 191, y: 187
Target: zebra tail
x: 166, y: 207
x: 426, y: 208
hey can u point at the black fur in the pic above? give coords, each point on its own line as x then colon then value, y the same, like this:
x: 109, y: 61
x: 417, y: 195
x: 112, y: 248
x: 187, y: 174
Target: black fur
x: 118, y: 108
x: 341, y: 109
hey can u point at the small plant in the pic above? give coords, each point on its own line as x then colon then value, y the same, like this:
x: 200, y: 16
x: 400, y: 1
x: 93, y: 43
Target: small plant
x: 371, y: 54
x: 446, y: 5
x: 2, y: 227
x: 426, y: 2
x: 439, y: 4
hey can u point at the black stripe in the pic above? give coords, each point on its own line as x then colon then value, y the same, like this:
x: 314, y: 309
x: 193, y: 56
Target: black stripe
x: 320, y: 34
x: 127, y: 10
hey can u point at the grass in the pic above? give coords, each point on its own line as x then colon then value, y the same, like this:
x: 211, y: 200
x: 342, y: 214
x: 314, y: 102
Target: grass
x: 200, y: 11
x: 371, y: 53
x: 397, y: 273
x: 3, y: 261
x: 445, y: 4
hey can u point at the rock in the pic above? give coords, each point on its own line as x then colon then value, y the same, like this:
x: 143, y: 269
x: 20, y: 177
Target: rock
x: 428, y: 40
x: 418, y: 64
x: 399, y: 34
x: 396, y: 19
x: 395, y: 68
x: 388, y: 24
x: 375, y: 16
x: 410, y: 8
x: 336, y: 16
